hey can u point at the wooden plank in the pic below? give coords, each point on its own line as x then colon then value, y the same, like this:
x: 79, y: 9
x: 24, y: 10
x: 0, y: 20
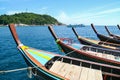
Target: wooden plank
x: 84, y: 73
x: 64, y: 69
x: 74, y: 72
x: 91, y: 74
x: 57, y: 66
x: 98, y: 75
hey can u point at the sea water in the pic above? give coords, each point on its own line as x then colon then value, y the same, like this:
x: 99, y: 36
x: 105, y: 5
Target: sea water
x: 37, y: 37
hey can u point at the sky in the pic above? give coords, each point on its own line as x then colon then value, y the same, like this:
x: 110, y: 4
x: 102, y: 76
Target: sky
x: 99, y: 12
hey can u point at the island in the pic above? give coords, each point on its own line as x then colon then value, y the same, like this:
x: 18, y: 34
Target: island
x: 28, y: 19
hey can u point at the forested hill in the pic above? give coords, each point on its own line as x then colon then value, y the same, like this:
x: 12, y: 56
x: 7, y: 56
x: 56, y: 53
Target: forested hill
x: 28, y: 18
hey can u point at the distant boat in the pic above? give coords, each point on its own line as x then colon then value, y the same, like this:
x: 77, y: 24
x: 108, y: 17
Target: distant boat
x: 76, y: 25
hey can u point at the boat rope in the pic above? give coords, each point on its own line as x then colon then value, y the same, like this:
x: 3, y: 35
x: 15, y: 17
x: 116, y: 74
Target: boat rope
x: 14, y: 70
x: 70, y: 52
x: 67, y: 54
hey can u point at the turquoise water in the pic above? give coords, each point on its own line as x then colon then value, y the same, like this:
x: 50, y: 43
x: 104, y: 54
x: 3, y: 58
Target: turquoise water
x: 36, y: 37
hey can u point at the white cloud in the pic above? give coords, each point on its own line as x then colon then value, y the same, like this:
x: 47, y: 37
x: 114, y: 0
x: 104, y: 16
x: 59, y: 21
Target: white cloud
x: 13, y: 12
x: 62, y: 16
x: 97, y: 14
x: 109, y: 11
x: 74, y: 19
x: 65, y: 18
x: 88, y: 18
x: 98, y: 8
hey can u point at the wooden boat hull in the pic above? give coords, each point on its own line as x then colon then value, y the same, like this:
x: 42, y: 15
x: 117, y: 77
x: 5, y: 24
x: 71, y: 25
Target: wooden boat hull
x: 108, y: 39
x: 48, y: 76
x: 37, y: 59
x: 83, y: 41
x: 101, y: 44
x: 83, y: 55
x: 42, y: 63
x: 105, y: 38
x: 87, y: 41
x: 111, y: 34
x: 38, y: 71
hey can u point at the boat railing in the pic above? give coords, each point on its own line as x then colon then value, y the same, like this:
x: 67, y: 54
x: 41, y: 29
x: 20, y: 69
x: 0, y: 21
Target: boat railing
x: 101, y: 50
x: 109, y: 44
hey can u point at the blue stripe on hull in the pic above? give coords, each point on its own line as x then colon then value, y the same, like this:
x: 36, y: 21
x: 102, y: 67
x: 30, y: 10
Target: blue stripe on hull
x: 40, y: 70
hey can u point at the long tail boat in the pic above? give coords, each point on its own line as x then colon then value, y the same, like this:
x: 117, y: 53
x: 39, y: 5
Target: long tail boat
x: 87, y: 53
x: 111, y: 34
x: 105, y: 38
x: 57, y: 67
x: 96, y: 43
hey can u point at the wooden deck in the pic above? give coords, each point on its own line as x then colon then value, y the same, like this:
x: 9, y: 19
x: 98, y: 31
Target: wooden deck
x: 74, y: 72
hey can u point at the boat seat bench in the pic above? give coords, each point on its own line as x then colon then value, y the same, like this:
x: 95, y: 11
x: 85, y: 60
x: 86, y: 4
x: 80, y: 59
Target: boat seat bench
x: 108, y: 56
x: 74, y: 72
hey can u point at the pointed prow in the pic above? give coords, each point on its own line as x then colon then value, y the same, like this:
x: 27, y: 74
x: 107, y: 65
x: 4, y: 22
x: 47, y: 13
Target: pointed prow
x: 14, y: 34
x: 52, y: 32
x: 118, y: 26
x: 75, y: 32
x: 107, y: 30
x: 94, y: 28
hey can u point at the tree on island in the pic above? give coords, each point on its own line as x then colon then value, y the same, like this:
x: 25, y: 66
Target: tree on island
x: 28, y: 18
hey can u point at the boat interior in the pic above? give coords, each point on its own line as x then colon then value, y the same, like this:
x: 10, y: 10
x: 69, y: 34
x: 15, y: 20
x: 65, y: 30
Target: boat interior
x: 79, y: 69
x: 101, y: 52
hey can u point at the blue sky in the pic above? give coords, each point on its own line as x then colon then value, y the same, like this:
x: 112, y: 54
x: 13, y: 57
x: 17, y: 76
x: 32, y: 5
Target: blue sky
x: 99, y: 12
